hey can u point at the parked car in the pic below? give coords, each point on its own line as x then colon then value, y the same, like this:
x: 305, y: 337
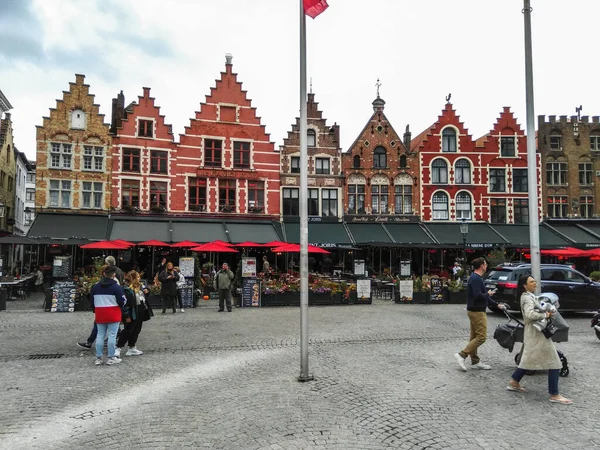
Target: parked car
x: 575, y: 291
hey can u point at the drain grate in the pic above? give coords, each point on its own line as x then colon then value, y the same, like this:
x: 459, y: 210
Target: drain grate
x: 47, y: 356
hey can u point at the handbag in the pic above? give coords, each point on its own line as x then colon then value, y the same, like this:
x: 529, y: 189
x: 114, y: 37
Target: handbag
x: 147, y: 312
x: 549, y: 330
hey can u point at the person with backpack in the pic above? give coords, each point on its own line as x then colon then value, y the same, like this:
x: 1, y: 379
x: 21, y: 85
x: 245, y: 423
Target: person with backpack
x: 222, y: 285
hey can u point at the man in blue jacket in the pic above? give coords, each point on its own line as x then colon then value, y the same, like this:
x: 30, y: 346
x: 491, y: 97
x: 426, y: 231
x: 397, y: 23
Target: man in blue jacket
x: 477, y: 302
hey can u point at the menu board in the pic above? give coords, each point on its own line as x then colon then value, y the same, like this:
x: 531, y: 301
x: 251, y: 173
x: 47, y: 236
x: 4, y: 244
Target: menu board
x: 250, y: 292
x: 61, y: 267
x: 63, y: 296
x: 363, y: 289
x: 436, y: 290
x: 359, y: 267
x: 406, y: 290
x: 186, y: 266
x: 248, y: 267
x: 187, y: 293
x: 405, y: 268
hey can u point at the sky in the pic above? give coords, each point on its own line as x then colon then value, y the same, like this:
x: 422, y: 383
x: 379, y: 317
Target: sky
x: 421, y: 51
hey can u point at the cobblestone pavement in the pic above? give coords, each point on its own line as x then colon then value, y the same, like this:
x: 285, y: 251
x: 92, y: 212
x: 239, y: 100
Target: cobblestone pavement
x: 384, y: 374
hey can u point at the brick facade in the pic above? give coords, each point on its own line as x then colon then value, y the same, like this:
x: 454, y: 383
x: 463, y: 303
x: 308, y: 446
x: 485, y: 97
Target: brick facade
x: 226, y: 161
x: 381, y: 173
x: 570, y: 152
x: 8, y: 174
x: 325, y: 177
x: 73, y: 155
x: 144, y: 159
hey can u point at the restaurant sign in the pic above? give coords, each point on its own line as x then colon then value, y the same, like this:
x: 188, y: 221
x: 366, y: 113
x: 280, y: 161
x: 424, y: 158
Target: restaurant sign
x: 389, y: 218
x: 220, y: 173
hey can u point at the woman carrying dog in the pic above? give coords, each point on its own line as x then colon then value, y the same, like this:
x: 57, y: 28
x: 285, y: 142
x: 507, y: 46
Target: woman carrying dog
x: 539, y: 352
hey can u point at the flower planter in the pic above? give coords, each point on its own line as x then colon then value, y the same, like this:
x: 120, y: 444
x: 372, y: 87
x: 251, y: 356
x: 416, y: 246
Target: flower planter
x: 290, y: 298
x: 458, y: 298
x: 319, y: 299
x: 155, y: 301
x: 272, y: 300
x: 337, y: 298
x: 360, y: 301
x: 83, y: 303
x: 420, y: 297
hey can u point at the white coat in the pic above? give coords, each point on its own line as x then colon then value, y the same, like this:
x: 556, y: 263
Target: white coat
x: 539, y: 353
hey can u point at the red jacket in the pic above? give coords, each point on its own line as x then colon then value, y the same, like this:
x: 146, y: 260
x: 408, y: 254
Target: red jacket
x: 108, y: 298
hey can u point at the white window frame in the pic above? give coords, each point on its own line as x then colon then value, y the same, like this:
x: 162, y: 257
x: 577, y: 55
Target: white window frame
x: 320, y: 161
x: 95, y: 193
x: 508, y: 139
x: 78, y: 110
x: 446, y: 211
x: 462, y: 170
x: 461, y: 211
x: 63, y: 151
x: 95, y: 156
x: 60, y: 191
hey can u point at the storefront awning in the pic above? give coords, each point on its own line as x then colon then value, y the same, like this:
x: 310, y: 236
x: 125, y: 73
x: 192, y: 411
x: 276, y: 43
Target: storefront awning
x: 69, y: 226
x: 261, y: 233
x: 517, y: 236
x: 579, y: 236
x: 481, y: 235
x: 323, y: 234
x: 410, y: 234
x: 140, y: 230
x: 200, y: 232
x: 369, y: 233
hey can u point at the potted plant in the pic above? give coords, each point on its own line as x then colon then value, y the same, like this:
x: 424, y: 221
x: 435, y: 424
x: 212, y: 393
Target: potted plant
x: 595, y: 276
x: 458, y: 293
x: 420, y: 290
x: 154, y: 294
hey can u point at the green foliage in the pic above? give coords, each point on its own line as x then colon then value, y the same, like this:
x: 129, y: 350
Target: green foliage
x: 496, y: 257
x: 595, y: 276
x: 456, y: 286
x: 418, y: 285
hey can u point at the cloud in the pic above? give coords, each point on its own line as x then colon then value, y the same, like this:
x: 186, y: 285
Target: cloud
x: 20, y: 32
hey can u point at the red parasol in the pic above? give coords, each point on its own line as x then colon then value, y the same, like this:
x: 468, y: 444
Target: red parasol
x: 248, y: 244
x: 154, y: 243
x: 275, y: 244
x: 226, y: 244
x: 295, y: 248
x: 123, y: 242
x: 105, y: 245
x: 213, y: 247
x: 185, y: 244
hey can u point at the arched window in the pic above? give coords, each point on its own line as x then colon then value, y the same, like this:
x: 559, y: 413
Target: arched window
x: 356, y: 162
x: 463, y: 206
x: 462, y: 172
x: 311, y: 138
x: 379, y: 158
x: 78, y: 119
x: 439, y: 206
x: 403, y: 161
x: 439, y: 172
x: 449, y: 140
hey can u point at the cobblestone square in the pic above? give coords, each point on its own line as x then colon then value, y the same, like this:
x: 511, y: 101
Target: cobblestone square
x: 385, y: 377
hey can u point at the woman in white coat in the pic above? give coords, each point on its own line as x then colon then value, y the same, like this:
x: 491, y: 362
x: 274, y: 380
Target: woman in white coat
x: 539, y: 353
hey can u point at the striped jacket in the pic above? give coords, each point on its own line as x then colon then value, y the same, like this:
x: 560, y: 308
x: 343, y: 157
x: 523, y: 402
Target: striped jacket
x: 108, y: 298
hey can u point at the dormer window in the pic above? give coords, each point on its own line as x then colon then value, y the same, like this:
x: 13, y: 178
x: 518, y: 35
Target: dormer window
x: 507, y: 146
x: 449, y: 140
x: 311, y: 138
x: 78, y: 119
x: 145, y: 128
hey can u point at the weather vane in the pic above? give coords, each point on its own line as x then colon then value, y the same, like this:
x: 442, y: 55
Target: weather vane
x: 448, y: 98
x: 378, y: 84
x: 578, y: 111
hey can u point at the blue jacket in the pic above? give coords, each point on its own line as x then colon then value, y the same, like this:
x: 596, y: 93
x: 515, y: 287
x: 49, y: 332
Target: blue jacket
x: 108, y: 298
x: 477, y: 297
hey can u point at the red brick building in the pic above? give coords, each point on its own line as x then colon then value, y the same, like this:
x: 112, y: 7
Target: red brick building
x: 484, y: 180
x: 144, y: 163
x: 226, y: 161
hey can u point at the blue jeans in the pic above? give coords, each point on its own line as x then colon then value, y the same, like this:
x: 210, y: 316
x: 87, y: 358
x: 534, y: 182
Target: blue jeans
x: 103, y: 329
x: 552, y: 379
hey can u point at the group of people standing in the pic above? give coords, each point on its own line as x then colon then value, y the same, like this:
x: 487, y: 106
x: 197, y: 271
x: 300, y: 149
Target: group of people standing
x: 539, y: 352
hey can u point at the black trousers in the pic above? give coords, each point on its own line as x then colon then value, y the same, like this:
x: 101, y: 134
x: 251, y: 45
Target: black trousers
x: 131, y: 331
x: 169, y: 300
x: 179, y: 299
x: 225, y: 297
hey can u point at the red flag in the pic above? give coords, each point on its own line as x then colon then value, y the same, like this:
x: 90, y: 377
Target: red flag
x: 313, y: 8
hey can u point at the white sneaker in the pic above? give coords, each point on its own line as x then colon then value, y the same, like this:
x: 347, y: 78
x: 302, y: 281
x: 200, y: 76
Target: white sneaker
x: 112, y: 361
x: 98, y: 362
x: 117, y: 352
x: 134, y: 352
x: 461, y: 361
x: 481, y: 366
x: 182, y: 310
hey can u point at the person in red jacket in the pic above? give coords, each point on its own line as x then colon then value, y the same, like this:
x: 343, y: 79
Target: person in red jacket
x: 109, y: 299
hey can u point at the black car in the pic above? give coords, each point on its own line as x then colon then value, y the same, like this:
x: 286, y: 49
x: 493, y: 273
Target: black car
x: 575, y: 291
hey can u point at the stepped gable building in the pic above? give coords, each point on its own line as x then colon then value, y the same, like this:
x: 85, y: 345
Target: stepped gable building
x: 325, y: 179
x: 73, y: 155
x: 226, y: 161
x: 570, y: 160
x: 382, y: 174
x: 144, y: 163
x: 503, y: 161
x: 8, y: 169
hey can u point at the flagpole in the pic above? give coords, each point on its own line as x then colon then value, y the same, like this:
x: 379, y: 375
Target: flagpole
x: 304, y: 373
x: 532, y: 180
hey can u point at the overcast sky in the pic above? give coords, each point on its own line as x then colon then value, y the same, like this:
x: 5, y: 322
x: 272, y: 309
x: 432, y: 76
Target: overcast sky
x: 420, y: 50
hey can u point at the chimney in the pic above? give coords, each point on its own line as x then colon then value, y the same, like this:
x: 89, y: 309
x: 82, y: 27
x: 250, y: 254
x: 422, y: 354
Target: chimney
x: 407, y: 138
x: 118, y: 112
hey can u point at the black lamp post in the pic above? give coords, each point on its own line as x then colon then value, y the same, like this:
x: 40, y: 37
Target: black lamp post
x: 464, y: 230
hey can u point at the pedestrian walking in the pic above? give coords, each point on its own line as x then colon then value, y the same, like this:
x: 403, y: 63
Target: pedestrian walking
x: 181, y: 283
x: 39, y: 280
x: 539, y: 352
x: 477, y: 302
x: 222, y: 284
x: 168, y: 291
x: 133, y: 318
x: 108, y: 298
x: 110, y: 261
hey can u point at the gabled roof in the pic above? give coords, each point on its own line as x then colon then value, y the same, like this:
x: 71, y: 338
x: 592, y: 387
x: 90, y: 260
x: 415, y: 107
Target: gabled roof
x: 418, y: 140
x: 4, y: 103
x: 384, y: 117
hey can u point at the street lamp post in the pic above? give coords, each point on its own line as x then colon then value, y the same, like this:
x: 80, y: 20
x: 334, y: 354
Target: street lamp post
x: 464, y: 230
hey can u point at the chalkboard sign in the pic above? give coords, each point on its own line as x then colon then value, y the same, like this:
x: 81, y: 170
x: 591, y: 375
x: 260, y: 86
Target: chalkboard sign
x: 63, y: 296
x: 187, y: 294
x: 186, y: 266
x: 437, y: 294
x: 61, y: 267
x: 250, y: 292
